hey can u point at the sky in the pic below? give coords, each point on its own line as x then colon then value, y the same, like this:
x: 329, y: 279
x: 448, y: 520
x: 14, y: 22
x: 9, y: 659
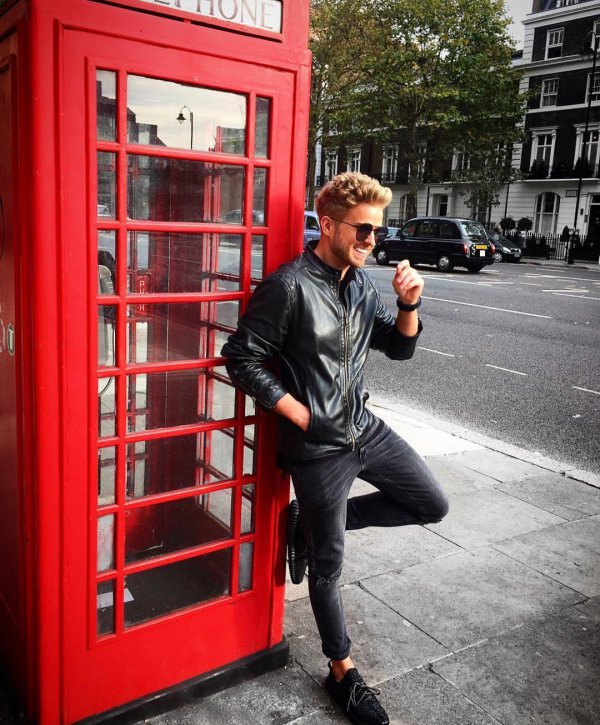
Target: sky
x: 518, y: 10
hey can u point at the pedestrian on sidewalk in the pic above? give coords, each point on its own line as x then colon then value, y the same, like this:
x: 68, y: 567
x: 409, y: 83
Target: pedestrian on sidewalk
x: 316, y: 317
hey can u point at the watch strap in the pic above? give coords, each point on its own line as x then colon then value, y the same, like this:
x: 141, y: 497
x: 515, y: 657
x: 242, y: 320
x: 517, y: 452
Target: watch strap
x: 408, y: 308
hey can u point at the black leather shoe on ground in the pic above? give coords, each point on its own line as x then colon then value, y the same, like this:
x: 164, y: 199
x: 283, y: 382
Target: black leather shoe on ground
x: 296, y: 545
x: 358, y: 701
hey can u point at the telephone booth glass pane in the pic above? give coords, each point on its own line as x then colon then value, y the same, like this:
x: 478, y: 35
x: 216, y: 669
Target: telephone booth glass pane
x: 263, y: 118
x: 179, y: 462
x: 106, y: 407
x: 260, y: 190
x: 106, y: 542
x: 247, y: 523
x: 163, y: 113
x: 106, y: 105
x: 107, y: 185
x: 176, y: 190
x: 245, y: 570
x: 172, y: 332
x: 175, y: 586
x: 258, y: 258
x: 105, y: 608
x: 107, y: 265
x: 179, y: 397
x: 249, y: 451
x: 177, y: 525
x: 172, y: 262
x: 106, y: 335
x: 107, y: 467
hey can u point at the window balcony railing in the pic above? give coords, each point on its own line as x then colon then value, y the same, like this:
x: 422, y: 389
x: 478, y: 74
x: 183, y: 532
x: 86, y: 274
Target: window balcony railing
x: 562, y: 170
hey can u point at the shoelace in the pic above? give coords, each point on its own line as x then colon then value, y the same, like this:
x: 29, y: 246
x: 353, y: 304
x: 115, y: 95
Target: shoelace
x: 359, y: 692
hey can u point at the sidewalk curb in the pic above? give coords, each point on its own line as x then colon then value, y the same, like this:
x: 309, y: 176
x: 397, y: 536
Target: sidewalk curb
x: 420, y: 419
x: 559, y: 263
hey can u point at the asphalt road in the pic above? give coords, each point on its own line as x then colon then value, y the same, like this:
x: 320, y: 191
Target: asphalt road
x: 512, y: 352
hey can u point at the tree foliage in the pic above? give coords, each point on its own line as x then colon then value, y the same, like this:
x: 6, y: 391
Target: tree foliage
x: 434, y: 71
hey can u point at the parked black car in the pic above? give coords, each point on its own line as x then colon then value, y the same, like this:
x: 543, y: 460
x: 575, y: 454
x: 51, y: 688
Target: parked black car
x: 507, y: 250
x: 443, y: 241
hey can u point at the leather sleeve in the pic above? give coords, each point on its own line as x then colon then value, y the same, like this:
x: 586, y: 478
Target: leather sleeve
x: 386, y: 337
x: 260, y: 336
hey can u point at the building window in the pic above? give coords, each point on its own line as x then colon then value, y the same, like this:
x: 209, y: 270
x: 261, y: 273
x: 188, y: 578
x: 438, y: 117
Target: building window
x: 353, y: 163
x: 440, y: 205
x: 543, y: 153
x: 417, y: 168
x: 331, y: 163
x: 461, y: 162
x: 554, y: 42
x: 593, y: 87
x: 546, y: 213
x: 588, y: 151
x: 389, y: 166
x: 565, y: 3
x: 549, y: 92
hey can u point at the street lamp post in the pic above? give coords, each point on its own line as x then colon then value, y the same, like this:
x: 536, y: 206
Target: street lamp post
x: 591, y: 48
x: 181, y: 118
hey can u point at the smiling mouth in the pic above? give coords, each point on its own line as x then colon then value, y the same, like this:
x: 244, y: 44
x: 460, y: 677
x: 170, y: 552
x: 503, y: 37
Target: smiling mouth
x: 363, y: 251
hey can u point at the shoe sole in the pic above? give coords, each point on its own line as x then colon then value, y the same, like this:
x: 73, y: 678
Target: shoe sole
x: 293, y: 516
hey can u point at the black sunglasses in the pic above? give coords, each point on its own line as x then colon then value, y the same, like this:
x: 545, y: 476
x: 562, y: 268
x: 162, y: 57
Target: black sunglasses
x: 364, y: 231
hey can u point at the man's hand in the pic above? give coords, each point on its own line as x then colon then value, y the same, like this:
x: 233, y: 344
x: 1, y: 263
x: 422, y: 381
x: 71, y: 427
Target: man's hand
x: 407, y: 283
x: 293, y: 410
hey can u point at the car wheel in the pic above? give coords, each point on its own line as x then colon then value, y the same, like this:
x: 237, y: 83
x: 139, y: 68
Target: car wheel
x: 444, y: 263
x: 497, y: 257
x: 382, y: 257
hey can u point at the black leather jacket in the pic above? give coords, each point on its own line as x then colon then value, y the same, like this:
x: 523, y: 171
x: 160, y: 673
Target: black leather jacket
x: 296, y: 317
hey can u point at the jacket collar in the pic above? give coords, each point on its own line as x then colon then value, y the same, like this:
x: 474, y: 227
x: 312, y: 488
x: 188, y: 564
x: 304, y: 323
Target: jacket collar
x: 332, y: 272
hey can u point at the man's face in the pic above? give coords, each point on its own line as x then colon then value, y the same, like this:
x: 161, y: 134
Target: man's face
x: 341, y: 241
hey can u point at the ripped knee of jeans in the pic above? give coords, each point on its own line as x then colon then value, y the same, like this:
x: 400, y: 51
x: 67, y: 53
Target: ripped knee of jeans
x: 321, y: 581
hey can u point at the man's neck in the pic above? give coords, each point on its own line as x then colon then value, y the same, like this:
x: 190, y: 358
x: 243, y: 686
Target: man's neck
x: 322, y: 254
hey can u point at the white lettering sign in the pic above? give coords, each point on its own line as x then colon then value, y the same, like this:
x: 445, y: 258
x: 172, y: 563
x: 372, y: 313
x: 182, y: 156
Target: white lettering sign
x: 262, y: 14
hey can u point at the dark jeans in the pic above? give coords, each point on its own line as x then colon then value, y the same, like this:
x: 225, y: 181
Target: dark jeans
x: 408, y: 494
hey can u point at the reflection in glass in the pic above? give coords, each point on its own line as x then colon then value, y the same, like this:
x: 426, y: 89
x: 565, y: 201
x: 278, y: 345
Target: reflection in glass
x: 170, y: 464
x: 106, y: 335
x: 179, y: 331
x: 106, y: 105
x: 177, y: 190
x: 174, y: 262
x: 105, y: 608
x: 107, y: 468
x: 258, y: 260
x: 247, y: 523
x: 107, y: 185
x: 245, y: 570
x: 107, y: 266
x: 177, y: 525
x: 176, y: 586
x: 260, y: 192
x: 107, y: 392
x: 106, y: 543
x: 164, y: 113
x: 249, y: 406
x: 249, y: 451
x: 261, y: 141
x: 179, y: 397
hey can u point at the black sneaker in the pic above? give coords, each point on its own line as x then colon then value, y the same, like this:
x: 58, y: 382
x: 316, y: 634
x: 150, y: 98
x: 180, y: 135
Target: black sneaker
x: 357, y: 700
x: 296, y: 545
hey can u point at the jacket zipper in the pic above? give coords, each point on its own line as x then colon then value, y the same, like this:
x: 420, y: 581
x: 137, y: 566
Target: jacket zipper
x: 346, y: 363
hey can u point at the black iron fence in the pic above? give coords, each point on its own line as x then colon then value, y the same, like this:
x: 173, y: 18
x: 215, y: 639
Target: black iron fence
x: 555, y: 246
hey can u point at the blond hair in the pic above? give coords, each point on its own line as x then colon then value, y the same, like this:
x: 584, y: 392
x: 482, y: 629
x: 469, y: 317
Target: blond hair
x: 349, y: 189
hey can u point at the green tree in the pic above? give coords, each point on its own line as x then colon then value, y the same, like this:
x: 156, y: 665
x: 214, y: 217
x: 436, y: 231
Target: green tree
x: 437, y: 73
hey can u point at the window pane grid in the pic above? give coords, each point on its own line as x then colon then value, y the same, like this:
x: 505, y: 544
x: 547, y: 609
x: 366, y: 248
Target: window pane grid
x: 232, y: 260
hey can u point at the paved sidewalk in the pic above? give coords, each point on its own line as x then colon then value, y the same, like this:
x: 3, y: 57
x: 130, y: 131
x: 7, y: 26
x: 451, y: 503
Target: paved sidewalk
x: 579, y: 264
x: 491, y: 616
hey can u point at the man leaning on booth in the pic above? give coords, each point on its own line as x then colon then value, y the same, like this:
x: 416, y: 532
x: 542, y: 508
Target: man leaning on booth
x: 316, y: 317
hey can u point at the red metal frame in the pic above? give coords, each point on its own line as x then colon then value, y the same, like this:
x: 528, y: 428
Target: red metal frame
x: 57, y: 45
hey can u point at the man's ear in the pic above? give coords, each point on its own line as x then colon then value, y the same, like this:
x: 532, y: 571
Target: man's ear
x: 326, y: 225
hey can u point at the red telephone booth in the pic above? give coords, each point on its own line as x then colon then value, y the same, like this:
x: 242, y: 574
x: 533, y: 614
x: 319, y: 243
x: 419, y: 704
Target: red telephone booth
x: 152, y: 170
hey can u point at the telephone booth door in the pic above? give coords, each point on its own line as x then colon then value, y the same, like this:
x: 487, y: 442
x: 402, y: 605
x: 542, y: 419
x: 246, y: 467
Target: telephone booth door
x: 176, y: 175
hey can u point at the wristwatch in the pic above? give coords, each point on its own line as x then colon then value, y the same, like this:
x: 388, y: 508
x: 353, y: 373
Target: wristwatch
x: 408, y: 308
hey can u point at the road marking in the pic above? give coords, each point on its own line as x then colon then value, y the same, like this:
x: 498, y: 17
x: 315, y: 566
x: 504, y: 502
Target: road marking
x: 506, y: 370
x: 585, y: 390
x: 569, y: 290
x: 580, y: 297
x: 487, y: 307
x: 447, y: 354
x: 555, y: 276
x: 461, y: 281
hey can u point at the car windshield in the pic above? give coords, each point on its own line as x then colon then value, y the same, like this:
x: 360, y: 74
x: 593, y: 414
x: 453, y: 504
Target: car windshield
x: 473, y: 229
